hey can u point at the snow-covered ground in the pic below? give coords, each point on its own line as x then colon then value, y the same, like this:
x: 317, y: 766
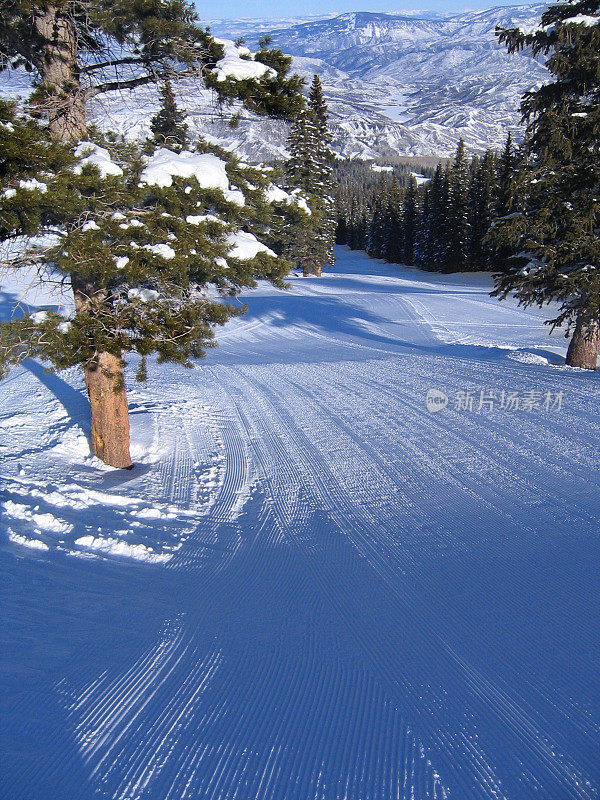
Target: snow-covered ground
x: 311, y: 586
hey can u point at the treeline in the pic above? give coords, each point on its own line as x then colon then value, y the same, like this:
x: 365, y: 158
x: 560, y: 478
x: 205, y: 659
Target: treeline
x: 439, y: 222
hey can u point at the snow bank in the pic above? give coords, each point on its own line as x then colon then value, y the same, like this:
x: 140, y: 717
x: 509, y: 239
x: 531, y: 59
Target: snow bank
x: 90, y: 153
x: 164, y: 165
x: 245, y: 246
x: 232, y: 65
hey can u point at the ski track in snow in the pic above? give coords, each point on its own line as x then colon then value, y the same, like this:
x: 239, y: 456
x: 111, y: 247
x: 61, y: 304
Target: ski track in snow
x: 310, y: 587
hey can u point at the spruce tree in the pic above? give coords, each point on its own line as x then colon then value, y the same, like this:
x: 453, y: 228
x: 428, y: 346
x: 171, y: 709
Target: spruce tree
x: 481, y: 211
x: 458, y: 221
x: 505, y: 178
x: 554, y: 229
x: 168, y: 126
x: 323, y: 170
x: 377, y: 230
x: 410, y: 221
x: 437, y: 224
x: 137, y: 250
x: 310, y: 169
x: 393, y: 238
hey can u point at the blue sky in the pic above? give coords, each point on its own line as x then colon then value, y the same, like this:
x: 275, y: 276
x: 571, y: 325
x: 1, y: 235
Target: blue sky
x: 283, y: 8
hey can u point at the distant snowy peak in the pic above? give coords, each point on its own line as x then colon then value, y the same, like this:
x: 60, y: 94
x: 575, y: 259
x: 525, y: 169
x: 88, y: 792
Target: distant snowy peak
x: 395, y: 84
x: 413, y: 84
x: 357, y: 41
x: 400, y: 83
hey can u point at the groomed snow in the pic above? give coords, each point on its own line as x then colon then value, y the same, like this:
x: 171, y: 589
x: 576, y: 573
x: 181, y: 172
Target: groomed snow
x: 311, y: 587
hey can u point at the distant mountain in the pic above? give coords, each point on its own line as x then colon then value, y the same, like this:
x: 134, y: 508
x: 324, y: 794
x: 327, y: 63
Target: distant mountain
x: 396, y: 84
x: 414, y: 85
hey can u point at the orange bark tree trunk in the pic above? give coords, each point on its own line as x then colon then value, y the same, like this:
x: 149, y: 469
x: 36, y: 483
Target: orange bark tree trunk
x: 64, y: 105
x: 583, y: 348
x: 110, y: 414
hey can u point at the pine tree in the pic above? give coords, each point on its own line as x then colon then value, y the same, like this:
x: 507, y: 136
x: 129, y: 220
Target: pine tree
x: 481, y: 211
x: 410, y: 221
x: 458, y: 221
x: 436, y: 235
x: 137, y: 252
x: 310, y: 169
x: 505, y: 178
x: 558, y: 223
x: 168, y: 126
x: 323, y: 170
x: 377, y: 231
x: 393, y: 238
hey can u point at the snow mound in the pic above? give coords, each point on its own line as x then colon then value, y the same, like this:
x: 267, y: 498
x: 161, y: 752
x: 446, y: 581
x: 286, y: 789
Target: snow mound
x: 232, y: 65
x: 162, y: 250
x: 91, y: 153
x: 117, y: 547
x: 164, y: 165
x: 245, y: 246
x: 33, y: 185
x: 275, y: 194
x: 40, y: 521
x: 144, y: 295
x: 34, y: 544
x: 524, y: 357
x: 197, y: 219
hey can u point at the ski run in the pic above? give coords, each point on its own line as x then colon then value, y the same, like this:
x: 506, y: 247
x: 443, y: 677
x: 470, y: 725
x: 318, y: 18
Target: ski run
x: 315, y: 584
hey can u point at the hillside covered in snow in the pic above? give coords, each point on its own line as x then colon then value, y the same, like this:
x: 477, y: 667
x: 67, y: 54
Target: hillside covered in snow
x: 395, y: 85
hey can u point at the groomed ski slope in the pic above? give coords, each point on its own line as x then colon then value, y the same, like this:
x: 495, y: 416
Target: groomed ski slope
x: 311, y: 587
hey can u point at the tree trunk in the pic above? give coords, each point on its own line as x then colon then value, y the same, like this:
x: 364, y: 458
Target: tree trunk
x: 583, y: 349
x: 64, y: 100
x: 110, y: 415
x: 307, y: 272
x: 64, y: 105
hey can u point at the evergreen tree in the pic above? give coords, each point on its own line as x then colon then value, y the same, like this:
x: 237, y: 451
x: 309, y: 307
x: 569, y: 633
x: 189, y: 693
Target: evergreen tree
x: 136, y: 251
x: 458, y: 221
x: 323, y: 171
x: 168, y: 126
x: 393, y: 238
x: 422, y: 241
x: 435, y: 237
x: 377, y: 231
x: 505, y: 178
x: 410, y: 220
x: 558, y: 225
x: 481, y: 211
x: 310, y: 169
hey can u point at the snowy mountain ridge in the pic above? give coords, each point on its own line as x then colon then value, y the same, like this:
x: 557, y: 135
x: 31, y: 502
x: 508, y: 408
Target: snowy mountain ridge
x: 396, y: 84
x: 412, y: 84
